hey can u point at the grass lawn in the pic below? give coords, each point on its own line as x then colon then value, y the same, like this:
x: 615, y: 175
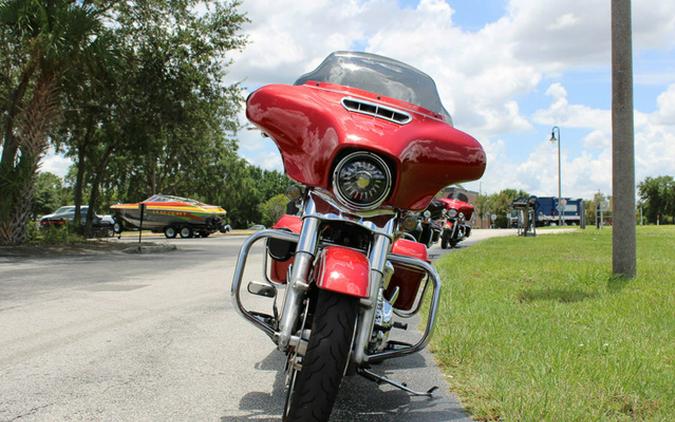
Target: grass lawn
x: 537, y: 329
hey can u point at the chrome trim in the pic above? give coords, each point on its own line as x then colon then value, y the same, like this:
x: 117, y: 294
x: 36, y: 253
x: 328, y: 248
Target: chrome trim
x: 299, y: 275
x: 349, y: 216
x: 407, y: 118
x: 378, y: 259
x: 418, y: 304
x: 433, y: 310
x: 297, y: 284
x: 239, y: 273
x: 407, y: 236
x: 375, y: 204
x: 453, y: 235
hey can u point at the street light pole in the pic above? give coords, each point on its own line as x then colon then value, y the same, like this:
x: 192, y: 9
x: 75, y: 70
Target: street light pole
x: 555, y: 137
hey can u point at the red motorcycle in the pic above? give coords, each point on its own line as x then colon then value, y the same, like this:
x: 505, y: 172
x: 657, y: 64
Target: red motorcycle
x: 456, y: 227
x: 431, y: 223
x: 370, y: 142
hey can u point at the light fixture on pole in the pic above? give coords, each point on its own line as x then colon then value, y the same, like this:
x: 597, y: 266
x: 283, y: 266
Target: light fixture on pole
x: 555, y: 137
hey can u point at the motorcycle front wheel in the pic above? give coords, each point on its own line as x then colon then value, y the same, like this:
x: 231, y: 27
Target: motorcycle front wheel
x: 445, y: 239
x: 315, y: 388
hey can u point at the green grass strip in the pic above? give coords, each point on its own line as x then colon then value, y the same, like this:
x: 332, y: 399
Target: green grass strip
x: 537, y: 329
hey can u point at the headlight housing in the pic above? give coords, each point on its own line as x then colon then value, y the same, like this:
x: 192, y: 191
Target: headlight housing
x: 452, y: 213
x: 362, y: 180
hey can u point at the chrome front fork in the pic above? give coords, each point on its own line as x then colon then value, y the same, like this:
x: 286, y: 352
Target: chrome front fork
x: 298, y: 281
x: 300, y: 271
x: 283, y: 333
x: 378, y: 260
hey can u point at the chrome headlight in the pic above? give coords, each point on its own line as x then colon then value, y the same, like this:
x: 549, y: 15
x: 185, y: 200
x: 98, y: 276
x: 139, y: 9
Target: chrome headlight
x: 461, y: 216
x: 409, y: 222
x: 362, y: 180
x: 452, y: 213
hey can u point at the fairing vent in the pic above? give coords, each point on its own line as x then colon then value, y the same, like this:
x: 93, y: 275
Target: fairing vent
x: 376, y: 110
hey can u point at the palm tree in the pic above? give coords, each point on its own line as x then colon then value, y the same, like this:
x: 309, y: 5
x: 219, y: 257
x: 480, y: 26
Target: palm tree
x: 45, y: 41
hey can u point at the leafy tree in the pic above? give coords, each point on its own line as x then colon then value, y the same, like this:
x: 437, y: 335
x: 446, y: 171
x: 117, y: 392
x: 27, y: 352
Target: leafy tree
x: 500, y: 204
x: 657, y: 195
x: 272, y: 209
x: 42, y: 41
x: 50, y: 194
x: 590, y: 207
x: 483, y: 206
x: 154, y: 114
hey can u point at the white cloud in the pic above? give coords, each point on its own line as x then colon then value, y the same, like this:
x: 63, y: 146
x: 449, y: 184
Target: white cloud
x: 591, y: 170
x: 597, y: 139
x: 55, y: 163
x: 565, y: 21
x: 560, y: 112
x: 666, y: 107
x: 560, y: 34
x: 481, y: 75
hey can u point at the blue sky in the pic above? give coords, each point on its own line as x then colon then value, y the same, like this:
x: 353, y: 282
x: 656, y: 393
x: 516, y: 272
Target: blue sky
x: 507, y: 70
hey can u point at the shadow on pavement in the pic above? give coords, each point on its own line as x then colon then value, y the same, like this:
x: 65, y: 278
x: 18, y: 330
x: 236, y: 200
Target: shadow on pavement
x: 358, y: 400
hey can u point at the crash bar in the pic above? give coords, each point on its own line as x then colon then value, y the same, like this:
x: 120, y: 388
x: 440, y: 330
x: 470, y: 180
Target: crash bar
x: 397, y: 259
x: 239, y: 274
x: 433, y: 310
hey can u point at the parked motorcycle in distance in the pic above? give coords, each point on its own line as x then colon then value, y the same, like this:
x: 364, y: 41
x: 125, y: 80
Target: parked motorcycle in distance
x: 431, y: 222
x: 456, y: 227
x: 370, y: 143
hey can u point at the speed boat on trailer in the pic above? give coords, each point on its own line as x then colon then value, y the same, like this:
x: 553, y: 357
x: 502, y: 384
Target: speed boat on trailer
x: 171, y: 215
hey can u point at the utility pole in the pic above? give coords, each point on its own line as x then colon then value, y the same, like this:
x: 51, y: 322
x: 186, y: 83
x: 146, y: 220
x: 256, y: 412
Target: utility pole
x: 623, y: 149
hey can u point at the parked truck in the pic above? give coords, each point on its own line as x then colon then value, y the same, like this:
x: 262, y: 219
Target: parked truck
x: 547, y: 211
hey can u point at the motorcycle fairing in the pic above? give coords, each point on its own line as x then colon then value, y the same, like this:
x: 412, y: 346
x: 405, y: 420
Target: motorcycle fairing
x: 407, y: 280
x: 280, y: 264
x: 312, y: 128
x: 289, y: 222
x: 343, y: 270
x: 410, y: 249
x: 460, y: 206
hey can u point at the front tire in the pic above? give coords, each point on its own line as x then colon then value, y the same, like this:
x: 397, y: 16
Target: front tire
x: 445, y: 239
x: 326, y: 358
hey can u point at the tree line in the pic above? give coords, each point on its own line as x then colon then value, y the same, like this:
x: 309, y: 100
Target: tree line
x: 135, y: 93
x: 499, y: 204
x: 656, y: 202
x: 657, y: 199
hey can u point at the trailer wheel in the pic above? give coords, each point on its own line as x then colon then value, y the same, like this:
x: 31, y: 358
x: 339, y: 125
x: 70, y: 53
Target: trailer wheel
x: 186, y: 232
x: 117, y: 228
x: 170, y: 232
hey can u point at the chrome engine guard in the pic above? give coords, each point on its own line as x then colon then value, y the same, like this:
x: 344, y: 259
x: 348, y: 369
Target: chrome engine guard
x: 262, y: 323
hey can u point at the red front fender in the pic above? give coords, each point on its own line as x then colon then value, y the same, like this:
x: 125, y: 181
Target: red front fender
x: 343, y: 270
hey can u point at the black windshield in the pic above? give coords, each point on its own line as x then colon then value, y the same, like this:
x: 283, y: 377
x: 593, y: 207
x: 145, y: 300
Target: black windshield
x: 379, y: 75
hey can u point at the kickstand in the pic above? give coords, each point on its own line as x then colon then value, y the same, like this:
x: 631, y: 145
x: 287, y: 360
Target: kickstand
x: 379, y: 379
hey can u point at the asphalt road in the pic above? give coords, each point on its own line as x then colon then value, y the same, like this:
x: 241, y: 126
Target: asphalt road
x: 154, y: 337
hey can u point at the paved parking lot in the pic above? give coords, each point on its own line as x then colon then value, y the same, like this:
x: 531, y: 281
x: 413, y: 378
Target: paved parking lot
x: 154, y: 337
